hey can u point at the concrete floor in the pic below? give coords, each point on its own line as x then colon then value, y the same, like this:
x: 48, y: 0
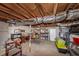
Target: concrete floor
x: 41, y: 48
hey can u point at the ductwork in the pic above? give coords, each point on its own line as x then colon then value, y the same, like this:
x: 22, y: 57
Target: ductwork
x: 52, y: 18
x: 72, y: 14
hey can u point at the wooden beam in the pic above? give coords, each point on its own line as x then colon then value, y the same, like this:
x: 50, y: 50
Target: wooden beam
x: 10, y: 11
x: 75, y: 5
x: 44, y: 10
x: 5, y: 15
x: 44, y: 25
x: 30, y: 11
x: 39, y: 9
x: 22, y: 11
x: 10, y: 15
x: 68, y: 6
x: 55, y: 9
x: 5, y: 18
x: 27, y: 11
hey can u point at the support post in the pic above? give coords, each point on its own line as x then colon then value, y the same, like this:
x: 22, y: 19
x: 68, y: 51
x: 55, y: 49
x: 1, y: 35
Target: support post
x: 30, y: 40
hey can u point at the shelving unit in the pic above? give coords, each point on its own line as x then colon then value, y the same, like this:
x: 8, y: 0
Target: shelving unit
x: 13, y: 45
x: 44, y: 34
x: 11, y: 49
x: 41, y: 34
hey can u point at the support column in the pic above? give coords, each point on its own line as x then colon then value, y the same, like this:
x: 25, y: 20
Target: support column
x: 30, y: 40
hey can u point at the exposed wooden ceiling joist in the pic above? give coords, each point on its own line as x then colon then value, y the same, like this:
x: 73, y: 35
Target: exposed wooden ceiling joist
x: 45, y: 25
x: 21, y: 11
x: 10, y: 12
x: 14, y: 10
x: 55, y: 9
x: 27, y: 11
x: 74, y: 7
x: 40, y: 10
x: 1, y: 17
x: 69, y: 6
x: 6, y: 15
